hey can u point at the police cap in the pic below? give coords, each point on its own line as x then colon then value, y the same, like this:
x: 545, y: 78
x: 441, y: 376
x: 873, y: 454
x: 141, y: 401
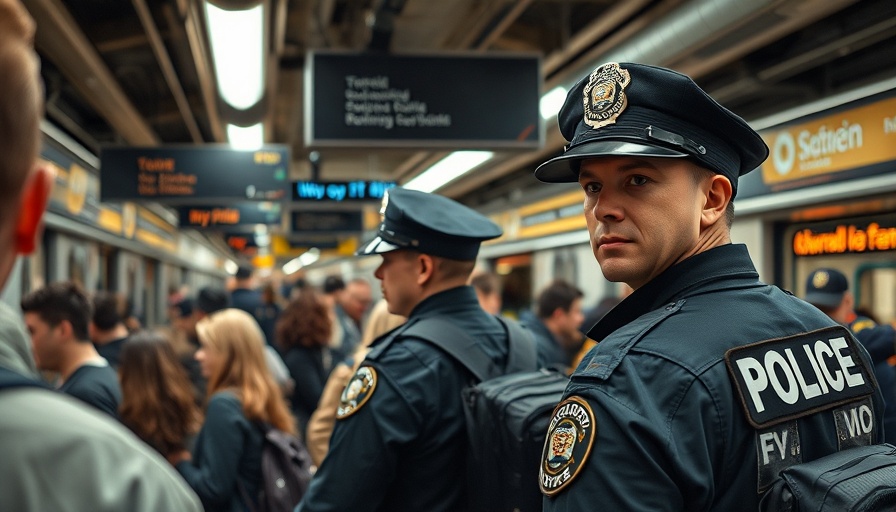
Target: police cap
x: 826, y: 287
x: 640, y: 110
x: 431, y: 224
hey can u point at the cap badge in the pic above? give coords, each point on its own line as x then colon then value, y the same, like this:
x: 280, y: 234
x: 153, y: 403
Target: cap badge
x: 820, y: 279
x: 567, y: 446
x: 356, y: 393
x: 604, y: 95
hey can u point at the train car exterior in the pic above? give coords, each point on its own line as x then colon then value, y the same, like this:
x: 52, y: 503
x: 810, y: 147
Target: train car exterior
x: 130, y: 248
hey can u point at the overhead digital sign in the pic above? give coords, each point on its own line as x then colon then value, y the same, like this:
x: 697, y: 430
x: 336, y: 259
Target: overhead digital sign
x: 193, y: 174
x: 469, y: 100
x: 238, y: 214
x: 326, y: 222
x: 338, y: 191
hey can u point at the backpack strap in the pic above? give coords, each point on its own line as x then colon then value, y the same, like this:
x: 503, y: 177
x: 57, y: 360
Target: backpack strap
x: 521, y: 346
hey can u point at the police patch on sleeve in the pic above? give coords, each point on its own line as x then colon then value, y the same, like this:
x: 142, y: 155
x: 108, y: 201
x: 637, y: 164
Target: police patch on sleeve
x: 357, y: 392
x: 788, y: 378
x: 567, y: 445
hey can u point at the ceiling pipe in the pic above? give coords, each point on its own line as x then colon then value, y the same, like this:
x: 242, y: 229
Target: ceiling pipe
x: 195, y: 29
x: 164, y: 61
x: 61, y: 40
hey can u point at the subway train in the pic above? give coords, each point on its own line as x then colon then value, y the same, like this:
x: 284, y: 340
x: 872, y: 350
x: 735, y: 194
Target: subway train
x: 136, y: 250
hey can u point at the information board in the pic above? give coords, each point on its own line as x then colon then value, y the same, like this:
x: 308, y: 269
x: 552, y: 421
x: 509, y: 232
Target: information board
x: 326, y: 221
x: 237, y: 214
x: 442, y: 100
x: 193, y: 174
x: 338, y: 191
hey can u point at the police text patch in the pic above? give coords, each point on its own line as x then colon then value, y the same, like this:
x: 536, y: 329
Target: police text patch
x: 567, y: 445
x: 356, y: 393
x: 787, y: 378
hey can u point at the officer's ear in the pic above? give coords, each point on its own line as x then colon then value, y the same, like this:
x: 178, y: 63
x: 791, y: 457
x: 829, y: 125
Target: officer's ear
x: 426, y: 266
x: 717, y: 194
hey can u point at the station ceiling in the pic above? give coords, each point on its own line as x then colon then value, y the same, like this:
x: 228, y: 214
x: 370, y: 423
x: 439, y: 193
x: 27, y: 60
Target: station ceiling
x: 139, y: 73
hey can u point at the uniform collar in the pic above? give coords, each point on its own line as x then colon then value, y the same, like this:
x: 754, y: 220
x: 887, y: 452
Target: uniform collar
x: 710, y: 270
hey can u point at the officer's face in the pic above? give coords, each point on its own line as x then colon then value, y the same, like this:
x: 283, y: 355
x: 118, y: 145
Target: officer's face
x: 398, y: 275
x: 643, y: 214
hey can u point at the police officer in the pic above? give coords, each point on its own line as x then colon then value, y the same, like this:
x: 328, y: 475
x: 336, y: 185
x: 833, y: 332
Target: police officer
x: 828, y: 290
x: 399, y: 439
x: 707, y: 381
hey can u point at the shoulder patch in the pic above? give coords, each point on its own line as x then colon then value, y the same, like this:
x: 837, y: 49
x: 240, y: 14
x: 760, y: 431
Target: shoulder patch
x: 357, y: 392
x: 788, y: 378
x: 567, y: 445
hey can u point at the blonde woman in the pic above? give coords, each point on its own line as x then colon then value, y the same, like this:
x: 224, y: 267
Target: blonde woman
x: 242, y: 394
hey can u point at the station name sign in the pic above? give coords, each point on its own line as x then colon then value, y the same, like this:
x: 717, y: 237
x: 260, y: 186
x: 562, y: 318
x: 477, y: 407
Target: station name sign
x: 338, y: 191
x: 438, y: 100
x: 844, y: 239
x: 191, y: 174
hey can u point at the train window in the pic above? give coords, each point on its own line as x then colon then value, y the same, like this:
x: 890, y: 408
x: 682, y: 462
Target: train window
x: 77, y: 265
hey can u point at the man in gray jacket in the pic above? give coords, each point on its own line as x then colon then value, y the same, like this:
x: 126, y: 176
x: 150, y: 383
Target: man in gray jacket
x: 57, y: 454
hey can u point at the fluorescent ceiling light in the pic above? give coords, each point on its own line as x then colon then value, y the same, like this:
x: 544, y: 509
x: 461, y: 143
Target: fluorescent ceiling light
x: 249, y: 137
x: 231, y: 267
x: 237, y: 39
x: 448, y: 169
x: 307, y: 258
x: 551, y: 102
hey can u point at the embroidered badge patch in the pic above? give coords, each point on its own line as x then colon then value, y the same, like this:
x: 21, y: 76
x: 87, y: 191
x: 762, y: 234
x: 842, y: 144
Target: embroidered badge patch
x: 567, y: 445
x: 604, y: 95
x: 356, y: 393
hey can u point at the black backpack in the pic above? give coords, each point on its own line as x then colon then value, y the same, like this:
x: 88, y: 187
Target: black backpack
x: 507, y: 411
x: 285, y: 472
x: 860, y: 479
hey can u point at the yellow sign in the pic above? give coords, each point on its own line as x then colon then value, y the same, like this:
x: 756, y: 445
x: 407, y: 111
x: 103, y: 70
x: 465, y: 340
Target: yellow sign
x: 859, y: 137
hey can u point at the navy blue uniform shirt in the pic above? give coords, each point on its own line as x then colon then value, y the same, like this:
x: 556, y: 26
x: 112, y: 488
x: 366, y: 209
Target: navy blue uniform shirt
x: 404, y: 448
x: 660, y: 415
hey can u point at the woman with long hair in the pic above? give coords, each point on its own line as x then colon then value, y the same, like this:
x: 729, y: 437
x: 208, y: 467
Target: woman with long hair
x: 226, y: 464
x: 303, y: 334
x: 157, y: 398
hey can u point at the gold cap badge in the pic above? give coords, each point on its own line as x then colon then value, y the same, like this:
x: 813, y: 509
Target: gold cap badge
x: 604, y: 95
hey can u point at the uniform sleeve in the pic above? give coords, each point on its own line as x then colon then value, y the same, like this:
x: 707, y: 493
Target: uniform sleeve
x: 363, y: 454
x: 213, y: 473
x: 650, y: 450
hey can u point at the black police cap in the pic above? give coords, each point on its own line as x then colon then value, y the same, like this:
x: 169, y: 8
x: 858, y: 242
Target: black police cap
x: 826, y: 287
x: 431, y: 224
x: 640, y: 110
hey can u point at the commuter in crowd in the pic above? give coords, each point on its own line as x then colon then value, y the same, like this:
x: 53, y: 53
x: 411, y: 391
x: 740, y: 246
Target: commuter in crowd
x: 157, y: 399
x: 185, y: 343
x: 58, y: 454
x: 399, y: 440
x: 603, y: 306
x: 303, y: 334
x: 828, y: 290
x: 107, y: 329
x: 268, y: 313
x: 333, y: 287
x: 488, y: 291
x: 320, y: 426
x: 226, y: 462
x: 244, y: 295
x: 57, y: 316
x: 556, y: 323
x: 668, y: 411
x: 351, y: 306
x: 210, y: 300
